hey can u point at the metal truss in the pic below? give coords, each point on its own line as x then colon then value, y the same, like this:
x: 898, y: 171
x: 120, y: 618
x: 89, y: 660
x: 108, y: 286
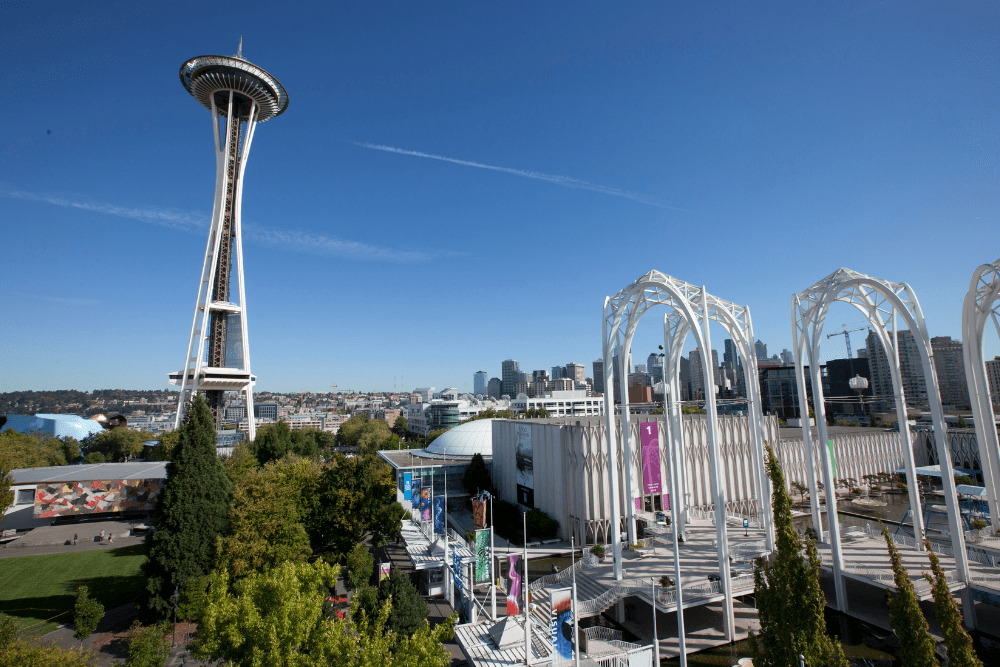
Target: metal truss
x: 982, y: 304
x: 691, y: 309
x: 882, y: 303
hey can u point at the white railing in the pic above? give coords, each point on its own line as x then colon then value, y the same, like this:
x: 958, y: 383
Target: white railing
x: 605, y: 599
x: 588, y: 560
x: 748, y: 549
x: 627, y: 658
x: 601, y: 633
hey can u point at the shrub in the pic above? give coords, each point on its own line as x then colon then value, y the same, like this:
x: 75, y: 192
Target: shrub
x: 541, y: 525
x: 979, y: 524
x: 666, y: 581
x: 147, y: 646
x: 597, y: 550
x: 86, y: 614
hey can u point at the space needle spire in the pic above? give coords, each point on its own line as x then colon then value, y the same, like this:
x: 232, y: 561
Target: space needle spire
x: 239, y: 95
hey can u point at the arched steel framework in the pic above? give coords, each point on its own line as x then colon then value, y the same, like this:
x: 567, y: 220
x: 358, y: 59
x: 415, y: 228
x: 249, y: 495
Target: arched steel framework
x: 881, y: 302
x: 982, y: 303
x: 691, y: 309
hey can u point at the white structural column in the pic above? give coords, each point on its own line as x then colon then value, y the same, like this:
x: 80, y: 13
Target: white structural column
x: 612, y: 462
x: 980, y: 306
x: 624, y: 358
x: 231, y: 156
x: 718, y: 495
x: 675, y: 330
x: 808, y: 444
x: 878, y: 300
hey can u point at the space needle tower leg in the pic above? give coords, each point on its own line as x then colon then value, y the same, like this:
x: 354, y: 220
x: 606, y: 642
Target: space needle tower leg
x: 239, y: 95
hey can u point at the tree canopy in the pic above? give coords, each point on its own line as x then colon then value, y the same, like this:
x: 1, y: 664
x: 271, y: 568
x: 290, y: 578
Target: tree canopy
x: 278, y: 618
x: 409, y: 609
x: 956, y: 640
x: 36, y: 450
x: 193, y: 509
x: 357, y: 497
x: 118, y: 444
x: 790, y: 602
x: 477, y: 476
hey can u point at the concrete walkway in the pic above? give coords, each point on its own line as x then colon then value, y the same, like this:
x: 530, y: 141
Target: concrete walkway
x: 59, y: 539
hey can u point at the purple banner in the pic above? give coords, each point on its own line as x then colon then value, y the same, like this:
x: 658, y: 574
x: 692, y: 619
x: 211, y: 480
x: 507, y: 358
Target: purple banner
x: 649, y: 437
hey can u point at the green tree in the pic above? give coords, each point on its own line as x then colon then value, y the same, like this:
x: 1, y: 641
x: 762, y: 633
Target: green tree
x: 87, y: 613
x: 358, y: 567
x: 193, y: 507
x: 265, y: 521
x: 355, y: 498
x: 434, y: 435
x: 164, y: 447
x: 916, y: 646
x: 790, y: 602
x: 35, y: 450
x: 477, y: 475
x: 949, y: 616
x: 273, y: 441
x: 147, y: 646
x: 6, y: 482
x: 26, y: 653
x: 409, y: 609
x: 9, y: 631
x: 278, y: 618
x: 400, y: 426
x: 118, y: 444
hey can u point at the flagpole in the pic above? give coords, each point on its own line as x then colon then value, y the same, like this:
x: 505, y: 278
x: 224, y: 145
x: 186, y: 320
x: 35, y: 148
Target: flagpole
x: 576, y: 620
x: 493, y: 574
x: 527, y: 611
x: 448, y: 583
x: 656, y: 639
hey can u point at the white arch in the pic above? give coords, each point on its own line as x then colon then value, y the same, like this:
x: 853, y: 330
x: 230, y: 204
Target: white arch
x: 982, y: 303
x: 693, y: 308
x: 880, y: 301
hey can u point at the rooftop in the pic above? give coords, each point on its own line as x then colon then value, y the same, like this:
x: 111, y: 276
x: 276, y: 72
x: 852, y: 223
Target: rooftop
x: 91, y: 472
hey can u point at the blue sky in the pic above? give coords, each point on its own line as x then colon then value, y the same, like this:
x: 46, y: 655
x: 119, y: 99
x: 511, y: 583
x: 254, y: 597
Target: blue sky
x: 750, y: 147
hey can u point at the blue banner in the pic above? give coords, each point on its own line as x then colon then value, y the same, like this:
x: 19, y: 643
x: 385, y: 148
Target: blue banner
x: 415, y: 492
x: 407, y: 485
x: 439, y: 514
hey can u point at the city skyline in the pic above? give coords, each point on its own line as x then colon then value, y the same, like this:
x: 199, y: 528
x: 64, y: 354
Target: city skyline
x: 783, y: 141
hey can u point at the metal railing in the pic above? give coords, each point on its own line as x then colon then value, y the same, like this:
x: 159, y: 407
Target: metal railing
x: 588, y: 560
x: 602, y: 633
x: 627, y: 657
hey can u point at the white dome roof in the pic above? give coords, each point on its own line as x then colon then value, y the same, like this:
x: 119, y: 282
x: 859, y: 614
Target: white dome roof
x: 462, y: 441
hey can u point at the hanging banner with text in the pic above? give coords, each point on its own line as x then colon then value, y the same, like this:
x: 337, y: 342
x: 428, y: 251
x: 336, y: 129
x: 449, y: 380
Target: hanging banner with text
x: 415, y: 492
x: 479, y: 513
x: 649, y: 438
x: 483, y: 556
x: 562, y: 631
x: 513, y: 587
x: 407, y: 485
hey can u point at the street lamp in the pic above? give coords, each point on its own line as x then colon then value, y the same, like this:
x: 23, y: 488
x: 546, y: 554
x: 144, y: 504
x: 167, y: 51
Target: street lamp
x: 859, y: 384
x: 174, y: 598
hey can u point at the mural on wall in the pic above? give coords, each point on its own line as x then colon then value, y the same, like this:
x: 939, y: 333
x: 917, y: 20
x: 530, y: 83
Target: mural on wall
x: 116, y: 495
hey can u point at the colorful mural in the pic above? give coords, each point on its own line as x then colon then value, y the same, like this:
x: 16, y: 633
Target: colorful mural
x: 119, y: 495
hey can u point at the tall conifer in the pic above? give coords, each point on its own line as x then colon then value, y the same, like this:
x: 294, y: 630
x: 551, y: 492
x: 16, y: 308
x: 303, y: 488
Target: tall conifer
x: 958, y: 642
x: 790, y: 602
x: 192, y: 512
x: 916, y: 646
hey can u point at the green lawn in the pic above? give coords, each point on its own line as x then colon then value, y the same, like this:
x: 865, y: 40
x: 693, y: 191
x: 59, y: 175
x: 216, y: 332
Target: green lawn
x: 38, y: 591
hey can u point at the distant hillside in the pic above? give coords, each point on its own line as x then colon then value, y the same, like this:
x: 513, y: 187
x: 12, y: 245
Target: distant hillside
x: 71, y: 401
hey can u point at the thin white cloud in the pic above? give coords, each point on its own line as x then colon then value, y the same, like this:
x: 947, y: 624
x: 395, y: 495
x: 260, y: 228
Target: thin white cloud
x: 187, y: 221
x: 555, y: 179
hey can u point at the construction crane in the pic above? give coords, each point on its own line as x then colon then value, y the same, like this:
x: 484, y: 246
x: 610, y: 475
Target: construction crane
x: 847, y: 338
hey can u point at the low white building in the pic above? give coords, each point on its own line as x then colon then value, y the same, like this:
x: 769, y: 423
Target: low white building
x: 569, y: 403
x: 422, y: 418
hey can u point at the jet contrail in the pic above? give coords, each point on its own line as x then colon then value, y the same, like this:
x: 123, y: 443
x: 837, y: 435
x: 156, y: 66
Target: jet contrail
x: 555, y: 179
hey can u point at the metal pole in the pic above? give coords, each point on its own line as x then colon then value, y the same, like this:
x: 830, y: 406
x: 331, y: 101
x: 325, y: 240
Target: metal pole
x: 576, y: 619
x: 493, y: 575
x: 656, y: 639
x: 527, y: 611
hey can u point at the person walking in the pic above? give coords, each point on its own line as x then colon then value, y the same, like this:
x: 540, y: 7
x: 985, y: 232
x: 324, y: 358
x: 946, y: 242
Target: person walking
x: 102, y: 537
x: 75, y: 535
x: 111, y: 539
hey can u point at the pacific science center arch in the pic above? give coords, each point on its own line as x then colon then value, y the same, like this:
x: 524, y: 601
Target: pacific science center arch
x: 691, y: 309
x: 882, y: 303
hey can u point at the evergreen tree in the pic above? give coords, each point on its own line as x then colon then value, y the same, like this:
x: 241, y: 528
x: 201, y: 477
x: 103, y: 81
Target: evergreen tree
x: 477, y: 476
x: 916, y: 646
x: 790, y: 602
x: 949, y: 617
x: 409, y: 609
x: 193, y: 507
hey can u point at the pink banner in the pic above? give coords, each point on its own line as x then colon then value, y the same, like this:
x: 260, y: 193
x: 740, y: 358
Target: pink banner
x: 649, y: 437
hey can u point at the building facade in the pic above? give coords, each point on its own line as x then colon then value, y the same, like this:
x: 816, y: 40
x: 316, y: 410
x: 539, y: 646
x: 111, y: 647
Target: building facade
x: 949, y: 365
x: 509, y: 376
x: 479, y: 381
x: 598, y: 367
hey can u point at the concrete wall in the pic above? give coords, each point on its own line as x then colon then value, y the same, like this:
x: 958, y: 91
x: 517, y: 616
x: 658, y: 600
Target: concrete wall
x: 571, y: 480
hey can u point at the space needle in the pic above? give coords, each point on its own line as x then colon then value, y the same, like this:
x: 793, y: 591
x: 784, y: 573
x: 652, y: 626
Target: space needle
x: 240, y: 95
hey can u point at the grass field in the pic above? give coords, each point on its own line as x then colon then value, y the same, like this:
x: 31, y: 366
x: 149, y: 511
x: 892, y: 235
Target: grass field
x: 39, y: 591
